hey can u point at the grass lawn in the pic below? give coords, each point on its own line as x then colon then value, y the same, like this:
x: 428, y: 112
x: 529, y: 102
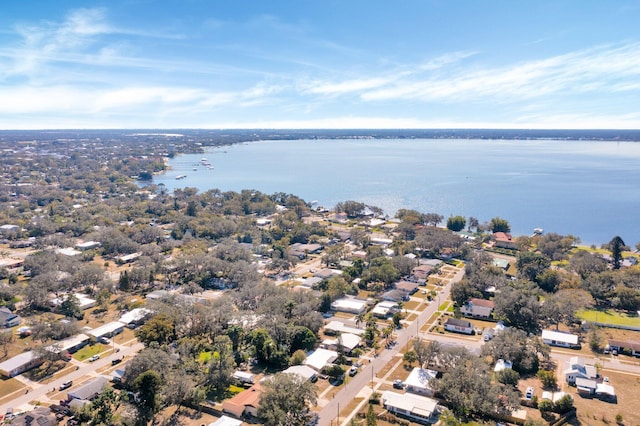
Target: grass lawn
x: 8, y: 386
x: 443, y: 306
x: 89, y: 351
x: 410, y: 305
x: 610, y: 317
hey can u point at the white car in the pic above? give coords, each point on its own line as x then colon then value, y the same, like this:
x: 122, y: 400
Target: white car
x: 94, y: 358
x: 529, y: 394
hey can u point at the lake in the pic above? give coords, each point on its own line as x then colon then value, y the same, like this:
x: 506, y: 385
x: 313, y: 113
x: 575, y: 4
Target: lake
x: 590, y: 189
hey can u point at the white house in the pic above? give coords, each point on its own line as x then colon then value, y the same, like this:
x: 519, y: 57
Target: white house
x: 418, y: 381
x: 303, y: 371
x: 350, y: 305
x: 385, y: 308
x: 107, y: 330
x: 502, y: 365
x: 338, y: 327
x: 244, y: 377
x: 575, y: 368
x: 20, y: 363
x: 558, y: 338
x: 348, y: 341
x: 414, y: 407
x: 226, y: 421
x: 458, y: 326
x: 477, y: 308
x: 319, y: 358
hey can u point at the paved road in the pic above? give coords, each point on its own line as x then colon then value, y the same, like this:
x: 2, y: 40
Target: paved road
x: 38, y: 392
x: 329, y: 412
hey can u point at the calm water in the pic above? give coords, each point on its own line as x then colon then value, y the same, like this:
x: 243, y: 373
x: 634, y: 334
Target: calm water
x: 588, y: 189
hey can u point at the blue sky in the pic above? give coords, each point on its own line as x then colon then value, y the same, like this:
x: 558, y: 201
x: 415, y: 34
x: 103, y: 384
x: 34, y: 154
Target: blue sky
x: 319, y: 64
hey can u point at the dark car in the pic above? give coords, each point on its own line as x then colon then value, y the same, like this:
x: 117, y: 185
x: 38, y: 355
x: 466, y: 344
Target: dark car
x: 116, y: 361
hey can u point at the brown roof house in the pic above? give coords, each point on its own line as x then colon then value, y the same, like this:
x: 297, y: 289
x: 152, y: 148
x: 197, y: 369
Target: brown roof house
x: 504, y: 240
x: 477, y: 308
x: 245, y: 403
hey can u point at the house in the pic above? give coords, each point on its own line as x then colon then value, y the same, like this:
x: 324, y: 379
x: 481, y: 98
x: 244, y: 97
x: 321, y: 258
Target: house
x: 605, y: 391
x: 326, y: 273
x: 575, y: 368
x: 338, y: 327
x: 303, y: 371
x: 8, y: 319
x: 310, y: 282
x: 418, y: 381
x: 40, y: 416
x: 501, y: 263
x: 348, y: 341
x: 559, y: 338
x: 319, y: 358
x: 68, y: 251
x: 501, y: 364
x: 89, y: 390
x: 621, y: 345
x: 128, y: 258
x: 84, y: 301
x: 107, y: 330
x: 395, y: 296
x: 244, y: 377
x: 20, y: 363
x: 407, y: 287
x: 385, y: 308
x: 88, y: 245
x: 586, y: 386
x: 70, y: 344
x: 226, y: 421
x: 135, y: 317
x: 459, y: 326
x: 477, y: 308
x: 245, y: 403
x: 415, y: 407
x: 301, y: 251
x: 350, y: 305
x: 504, y: 240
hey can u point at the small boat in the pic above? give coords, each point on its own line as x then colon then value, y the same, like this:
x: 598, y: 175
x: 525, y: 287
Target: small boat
x: 181, y: 177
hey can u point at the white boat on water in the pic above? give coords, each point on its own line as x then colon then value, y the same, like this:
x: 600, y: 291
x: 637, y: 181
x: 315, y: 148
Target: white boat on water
x: 181, y: 177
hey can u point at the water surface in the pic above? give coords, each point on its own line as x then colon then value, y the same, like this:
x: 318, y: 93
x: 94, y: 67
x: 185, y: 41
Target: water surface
x: 589, y: 189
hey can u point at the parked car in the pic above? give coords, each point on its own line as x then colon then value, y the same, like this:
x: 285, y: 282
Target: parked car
x: 94, y: 358
x: 398, y: 384
x: 66, y: 385
x: 116, y: 361
x: 353, y: 371
x: 529, y: 394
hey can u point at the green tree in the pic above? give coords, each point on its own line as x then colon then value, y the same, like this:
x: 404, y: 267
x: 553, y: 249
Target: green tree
x: 372, y: 420
x: 499, y: 224
x: 508, y: 377
x: 103, y: 407
x: 545, y: 406
x: 548, y: 379
x: 285, y: 400
x: 456, y: 223
x: 563, y: 405
x: 148, y: 385
x: 221, y: 364
x: 616, y: 245
x: 530, y: 265
x: 70, y: 307
x: 160, y: 328
x: 410, y: 357
x: 298, y: 357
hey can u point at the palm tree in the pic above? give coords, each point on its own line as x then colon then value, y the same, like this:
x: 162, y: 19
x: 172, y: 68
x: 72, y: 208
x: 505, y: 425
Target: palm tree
x: 360, y: 319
